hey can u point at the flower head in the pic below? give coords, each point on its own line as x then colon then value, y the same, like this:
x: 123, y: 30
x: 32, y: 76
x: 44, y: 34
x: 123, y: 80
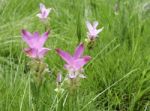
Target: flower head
x: 92, y: 31
x: 35, y: 43
x: 43, y: 12
x: 76, y: 62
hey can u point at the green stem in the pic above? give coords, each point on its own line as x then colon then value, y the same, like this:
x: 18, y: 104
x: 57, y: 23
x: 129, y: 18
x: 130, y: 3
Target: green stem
x: 36, y: 84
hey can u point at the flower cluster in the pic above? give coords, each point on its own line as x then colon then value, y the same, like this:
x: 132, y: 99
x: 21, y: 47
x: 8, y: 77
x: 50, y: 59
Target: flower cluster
x: 35, y: 42
x: 92, y: 31
x: 74, y: 63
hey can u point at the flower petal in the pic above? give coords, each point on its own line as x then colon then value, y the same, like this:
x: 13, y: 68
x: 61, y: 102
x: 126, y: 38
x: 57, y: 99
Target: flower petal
x: 95, y: 24
x: 35, y: 41
x: 26, y: 36
x: 79, y: 51
x: 79, y: 63
x: 47, y: 12
x: 31, y: 52
x: 99, y: 30
x: 42, y: 7
x: 69, y: 67
x: 43, y: 39
x: 36, y: 35
x: 89, y: 26
x: 64, y: 55
x: 42, y: 52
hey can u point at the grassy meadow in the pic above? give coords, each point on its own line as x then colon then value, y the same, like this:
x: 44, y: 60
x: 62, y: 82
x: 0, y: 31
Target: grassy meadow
x: 118, y: 75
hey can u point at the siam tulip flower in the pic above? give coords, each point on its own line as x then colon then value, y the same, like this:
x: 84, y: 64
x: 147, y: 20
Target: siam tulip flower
x: 92, y: 31
x: 35, y: 43
x: 43, y: 15
x: 76, y: 62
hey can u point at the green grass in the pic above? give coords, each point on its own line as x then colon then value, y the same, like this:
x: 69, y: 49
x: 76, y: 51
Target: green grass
x: 118, y: 74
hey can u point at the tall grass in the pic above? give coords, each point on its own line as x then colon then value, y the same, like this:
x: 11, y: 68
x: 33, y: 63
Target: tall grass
x: 118, y: 76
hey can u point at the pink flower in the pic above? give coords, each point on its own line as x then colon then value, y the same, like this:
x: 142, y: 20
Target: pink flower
x: 43, y: 12
x: 92, y: 31
x: 76, y: 62
x: 35, y: 43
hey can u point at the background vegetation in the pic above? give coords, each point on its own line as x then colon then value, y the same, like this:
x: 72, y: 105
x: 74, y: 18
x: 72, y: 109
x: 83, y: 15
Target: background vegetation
x: 118, y: 75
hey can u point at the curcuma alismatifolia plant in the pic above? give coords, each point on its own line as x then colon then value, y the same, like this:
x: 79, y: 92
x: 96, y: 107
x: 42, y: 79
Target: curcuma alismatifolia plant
x: 92, y: 33
x: 36, y: 51
x: 74, y: 63
x: 43, y: 15
x: 36, y: 43
x: 44, y: 12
